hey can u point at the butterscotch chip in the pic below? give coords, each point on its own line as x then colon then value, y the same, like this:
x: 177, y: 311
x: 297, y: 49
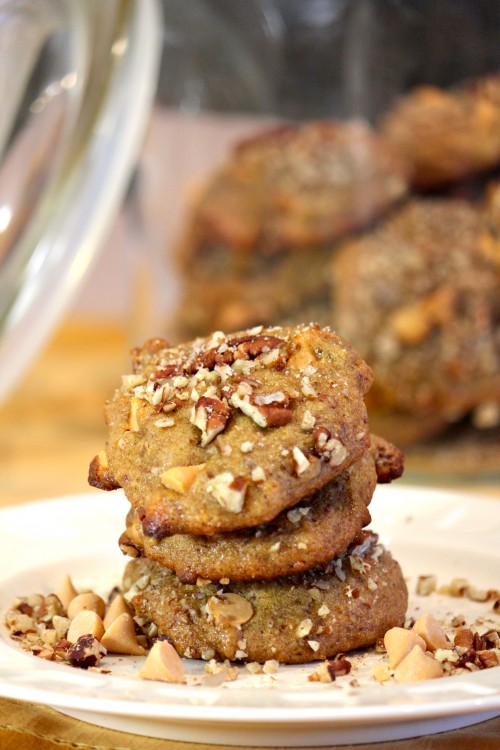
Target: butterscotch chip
x: 313, y: 532
x: 285, y: 625
x: 84, y: 623
x: 120, y: 637
x: 66, y: 592
x: 163, y: 664
x: 180, y: 478
x: 399, y: 642
x: 247, y: 392
x: 418, y: 665
x: 229, y: 609
x: 431, y: 631
x: 86, y: 601
x: 117, y: 607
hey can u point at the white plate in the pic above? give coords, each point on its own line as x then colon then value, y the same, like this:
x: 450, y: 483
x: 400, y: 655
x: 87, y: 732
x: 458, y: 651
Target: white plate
x: 449, y: 534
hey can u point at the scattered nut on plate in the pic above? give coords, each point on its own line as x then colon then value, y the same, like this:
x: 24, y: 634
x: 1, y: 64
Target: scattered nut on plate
x: 81, y: 628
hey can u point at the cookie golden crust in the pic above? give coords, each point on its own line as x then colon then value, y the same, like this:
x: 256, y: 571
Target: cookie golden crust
x: 348, y: 605
x: 447, y: 135
x: 418, y: 298
x: 309, y: 534
x: 226, y: 432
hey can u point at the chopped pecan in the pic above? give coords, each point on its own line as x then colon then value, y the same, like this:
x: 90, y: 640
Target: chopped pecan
x: 249, y: 347
x: 86, y: 652
x: 228, y: 490
x: 211, y: 416
x: 300, y: 462
x: 328, y: 448
x: 266, y: 410
x: 487, y: 659
x: 339, y: 666
x: 209, y: 359
x: 389, y: 460
x: 167, y: 372
x: 464, y: 637
x: 252, y: 382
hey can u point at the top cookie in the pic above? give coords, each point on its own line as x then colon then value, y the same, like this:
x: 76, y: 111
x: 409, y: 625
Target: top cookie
x: 229, y: 430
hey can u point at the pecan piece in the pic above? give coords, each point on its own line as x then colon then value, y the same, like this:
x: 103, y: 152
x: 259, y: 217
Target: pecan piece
x: 249, y: 347
x: 228, y: 490
x: 211, y: 416
x: 209, y: 359
x: 328, y: 448
x: 167, y: 372
x: 464, y: 638
x: 488, y: 659
x: 180, y: 478
x: 264, y: 412
x: 389, y: 461
x: 339, y: 666
x: 86, y: 652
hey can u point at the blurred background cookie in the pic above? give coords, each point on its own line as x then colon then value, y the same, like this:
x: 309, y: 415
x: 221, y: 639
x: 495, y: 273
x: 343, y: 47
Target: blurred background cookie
x: 447, y: 135
x: 257, y: 239
x: 419, y: 299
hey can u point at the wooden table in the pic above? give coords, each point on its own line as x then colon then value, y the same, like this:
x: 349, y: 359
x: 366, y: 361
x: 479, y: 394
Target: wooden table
x: 50, y: 428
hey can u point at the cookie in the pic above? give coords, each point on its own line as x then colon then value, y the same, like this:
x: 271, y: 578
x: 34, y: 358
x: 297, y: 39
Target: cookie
x: 257, y: 240
x: 226, y: 432
x: 347, y: 605
x: 447, y: 135
x: 285, y: 288
x: 300, y: 186
x: 418, y: 298
x: 311, y: 533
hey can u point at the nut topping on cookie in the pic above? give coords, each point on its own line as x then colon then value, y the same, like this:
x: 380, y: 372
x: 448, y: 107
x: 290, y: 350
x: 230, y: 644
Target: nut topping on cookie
x: 211, y: 416
x: 263, y: 411
x: 227, y: 391
x: 228, y: 490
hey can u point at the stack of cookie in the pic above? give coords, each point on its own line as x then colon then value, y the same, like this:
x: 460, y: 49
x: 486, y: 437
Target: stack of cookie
x: 249, y: 467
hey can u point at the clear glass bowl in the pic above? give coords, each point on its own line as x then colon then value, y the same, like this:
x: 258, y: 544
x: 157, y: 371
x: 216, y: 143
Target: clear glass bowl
x: 77, y: 80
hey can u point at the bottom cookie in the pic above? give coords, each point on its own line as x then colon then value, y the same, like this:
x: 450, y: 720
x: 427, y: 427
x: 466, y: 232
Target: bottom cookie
x: 348, y: 604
